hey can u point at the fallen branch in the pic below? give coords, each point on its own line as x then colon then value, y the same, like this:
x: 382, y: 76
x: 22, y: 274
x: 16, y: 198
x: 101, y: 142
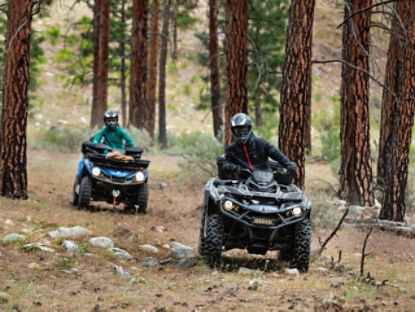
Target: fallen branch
x: 323, y: 246
x: 399, y: 228
x: 364, y: 255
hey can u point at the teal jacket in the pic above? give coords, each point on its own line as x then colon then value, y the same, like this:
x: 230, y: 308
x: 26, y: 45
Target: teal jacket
x: 114, y: 138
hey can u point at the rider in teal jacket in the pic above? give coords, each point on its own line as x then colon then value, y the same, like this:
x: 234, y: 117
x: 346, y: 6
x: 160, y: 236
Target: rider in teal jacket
x: 114, y: 136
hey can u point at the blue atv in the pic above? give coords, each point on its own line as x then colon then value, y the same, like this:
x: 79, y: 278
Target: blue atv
x: 111, y: 180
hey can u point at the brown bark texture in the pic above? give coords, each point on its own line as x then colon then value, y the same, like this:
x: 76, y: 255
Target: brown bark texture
x: 394, y: 206
x: 356, y: 184
x: 152, y: 74
x: 123, y: 83
x: 236, y: 36
x: 162, y: 75
x: 392, y: 76
x: 100, y: 79
x: 13, y: 175
x: 139, y: 109
x: 214, y: 69
x: 296, y: 85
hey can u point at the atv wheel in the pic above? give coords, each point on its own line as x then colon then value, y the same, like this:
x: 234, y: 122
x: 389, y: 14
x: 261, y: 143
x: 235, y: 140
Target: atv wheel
x: 302, y: 243
x: 142, y: 199
x: 202, y: 239
x: 85, y: 191
x: 75, y: 195
x: 213, y: 240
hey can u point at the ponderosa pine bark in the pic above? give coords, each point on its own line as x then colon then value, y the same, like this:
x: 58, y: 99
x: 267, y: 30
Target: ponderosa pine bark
x: 392, y: 76
x: 236, y: 61
x: 162, y: 75
x: 214, y: 69
x: 100, y: 67
x: 296, y: 85
x: 123, y: 82
x: 396, y: 178
x: 139, y: 109
x: 356, y: 184
x: 152, y: 77
x: 13, y: 159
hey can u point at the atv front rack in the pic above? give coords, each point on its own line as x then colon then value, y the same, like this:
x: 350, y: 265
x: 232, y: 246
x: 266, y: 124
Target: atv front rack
x: 100, y: 160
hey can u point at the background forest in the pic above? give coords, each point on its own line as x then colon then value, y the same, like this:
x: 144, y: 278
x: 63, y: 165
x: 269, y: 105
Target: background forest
x: 61, y: 114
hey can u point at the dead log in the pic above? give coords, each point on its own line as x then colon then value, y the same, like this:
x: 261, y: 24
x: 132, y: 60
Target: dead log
x: 399, y: 228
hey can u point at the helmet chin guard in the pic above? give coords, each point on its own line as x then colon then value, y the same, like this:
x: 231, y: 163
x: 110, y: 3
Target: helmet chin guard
x: 111, y: 119
x: 241, y: 126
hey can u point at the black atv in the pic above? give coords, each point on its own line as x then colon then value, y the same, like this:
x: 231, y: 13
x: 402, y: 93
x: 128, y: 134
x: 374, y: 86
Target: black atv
x: 261, y: 211
x: 115, y: 181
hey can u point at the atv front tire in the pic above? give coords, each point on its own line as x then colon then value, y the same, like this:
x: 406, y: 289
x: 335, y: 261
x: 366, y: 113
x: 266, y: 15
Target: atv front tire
x: 202, y: 239
x: 142, y: 198
x: 302, y: 245
x: 213, y: 240
x: 85, y: 191
x: 75, y: 195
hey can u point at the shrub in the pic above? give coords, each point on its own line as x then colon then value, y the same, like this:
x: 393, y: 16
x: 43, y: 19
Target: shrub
x: 324, y: 213
x: 198, y: 153
x: 141, y: 138
x: 60, y: 139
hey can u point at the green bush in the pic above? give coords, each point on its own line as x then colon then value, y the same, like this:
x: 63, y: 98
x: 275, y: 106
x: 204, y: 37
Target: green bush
x: 198, y: 153
x: 60, y: 139
x: 324, y: 214
x: 141, y: 138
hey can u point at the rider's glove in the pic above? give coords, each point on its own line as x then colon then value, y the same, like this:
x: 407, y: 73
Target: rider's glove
x: 292, y: 168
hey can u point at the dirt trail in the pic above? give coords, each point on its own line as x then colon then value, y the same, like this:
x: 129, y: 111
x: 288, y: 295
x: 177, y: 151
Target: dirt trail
x: 61, y: 281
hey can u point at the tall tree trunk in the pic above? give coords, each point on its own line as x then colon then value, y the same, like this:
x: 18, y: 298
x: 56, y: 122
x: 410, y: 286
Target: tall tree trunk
x: 100, y: 79
x: 236, y: 61
x: 214, y: 69
x: 152, y: 77
x: 394, y: 206
x: 296, y: 86
x: 258, y: 109
x: 139, y: 110
x: 162, y: 76
x: 355, y: 162
x: 13, y: 176
x: 123, y: 84
x: 174, y: 19
x: 307, y: 121
x: 392, y: 76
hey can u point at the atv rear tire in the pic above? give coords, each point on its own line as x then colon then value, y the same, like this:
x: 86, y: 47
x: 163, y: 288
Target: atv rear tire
x: 213, y: 241
x: 142, y: 198
x: 302, y: 245
x: 75, y: 195
x: 85, y: 192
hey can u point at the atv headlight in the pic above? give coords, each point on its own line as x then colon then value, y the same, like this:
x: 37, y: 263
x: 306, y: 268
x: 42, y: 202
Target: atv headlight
x: 96, y: 171
x: 139, y: 176
x: 297, y: 211
x: 228, y: 205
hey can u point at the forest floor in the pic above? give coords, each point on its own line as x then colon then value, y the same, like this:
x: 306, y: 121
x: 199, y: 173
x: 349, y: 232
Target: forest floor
x: 74, y: 281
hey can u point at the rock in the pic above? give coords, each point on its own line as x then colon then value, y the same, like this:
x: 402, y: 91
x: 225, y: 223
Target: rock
x: 37, y: 246
x: 159, y: 229
x: 4, y: 297
x: 69, y: 232
x: 149, y: 248
x: 34, y: 266
x: 187, y: 263
x: 253, y: 284
x: 321, y: 269
x: 181, y: 251
x: 120, y: 254
x: 121, y: 271
x: 149, y: 262
x: 102, y: 242
x: 8, y: 222
x: 142, y: 280
x: 291, y: 271
x: 166, y: 246
x: 70, y: 245
x: 355, y: 209
x: 246, y: 271
x: 14, y: 238
x: 1, y: 255
x: 340, y: 267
